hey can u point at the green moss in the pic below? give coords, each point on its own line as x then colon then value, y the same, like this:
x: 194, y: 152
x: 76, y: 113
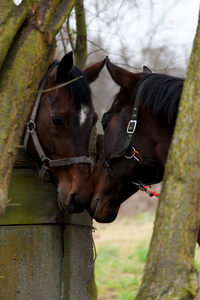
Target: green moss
x: 92, y: 289
x: 50, y: 12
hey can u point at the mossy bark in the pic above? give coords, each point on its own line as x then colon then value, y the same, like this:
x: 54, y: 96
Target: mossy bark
x: 170, y: 272
x: 80, y: 50
x: 27, y: 44
x: 11, y: 19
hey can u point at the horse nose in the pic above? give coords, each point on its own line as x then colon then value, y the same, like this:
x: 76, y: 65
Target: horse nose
x: 74, y: 205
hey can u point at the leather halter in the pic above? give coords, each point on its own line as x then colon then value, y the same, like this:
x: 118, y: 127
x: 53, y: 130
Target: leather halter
x: 46, y: 162
x: 107, y: 164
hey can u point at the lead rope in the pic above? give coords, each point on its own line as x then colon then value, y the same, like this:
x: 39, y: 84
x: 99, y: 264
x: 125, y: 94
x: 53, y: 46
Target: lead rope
x: 151, y: 193
x: 147, y: 189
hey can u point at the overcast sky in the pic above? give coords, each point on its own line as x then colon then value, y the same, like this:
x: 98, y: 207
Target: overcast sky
x: 170, y: 23
x: 176, y: 21
x: 139, y: 23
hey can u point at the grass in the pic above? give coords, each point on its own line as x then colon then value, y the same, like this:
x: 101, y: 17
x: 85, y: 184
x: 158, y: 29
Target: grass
x: 120, y: 277
x: 122, y: 247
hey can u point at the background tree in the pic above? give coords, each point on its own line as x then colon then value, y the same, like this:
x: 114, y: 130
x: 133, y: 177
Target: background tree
x: 170, y: 272
x: 27, y: 45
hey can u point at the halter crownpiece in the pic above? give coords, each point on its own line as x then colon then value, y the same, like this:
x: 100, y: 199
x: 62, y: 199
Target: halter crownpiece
x: 47, y: 163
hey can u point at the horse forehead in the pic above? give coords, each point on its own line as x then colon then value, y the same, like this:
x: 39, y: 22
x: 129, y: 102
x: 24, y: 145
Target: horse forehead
x: 63, y: 104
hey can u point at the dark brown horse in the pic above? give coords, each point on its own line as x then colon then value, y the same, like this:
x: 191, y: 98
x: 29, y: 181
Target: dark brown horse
x: 138, y: 131
x: 57, y: 135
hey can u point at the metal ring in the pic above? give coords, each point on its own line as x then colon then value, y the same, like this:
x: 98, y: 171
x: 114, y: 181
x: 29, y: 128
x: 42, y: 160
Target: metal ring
x: 46, y: 163
x: 133, y: 151
x: 31, y: 126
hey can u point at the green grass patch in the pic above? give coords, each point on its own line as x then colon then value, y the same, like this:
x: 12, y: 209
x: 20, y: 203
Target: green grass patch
x: 118, y: 274
x: 122, y: 249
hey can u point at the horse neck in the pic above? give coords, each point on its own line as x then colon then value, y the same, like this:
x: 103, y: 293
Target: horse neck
x: 164, y: 138
x: 163, y: 141
x: 158, y: 136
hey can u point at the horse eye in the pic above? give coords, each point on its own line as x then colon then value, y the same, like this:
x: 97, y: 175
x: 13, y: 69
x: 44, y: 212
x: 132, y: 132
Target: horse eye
x: 104, y: 124
x: 57, y: 121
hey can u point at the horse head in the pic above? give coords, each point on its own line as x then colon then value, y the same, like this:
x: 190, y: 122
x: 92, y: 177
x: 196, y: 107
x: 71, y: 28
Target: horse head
x: 137, y: 136
x: 58, y: 133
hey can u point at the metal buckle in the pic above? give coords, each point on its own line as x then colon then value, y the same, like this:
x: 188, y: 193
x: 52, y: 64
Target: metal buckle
x: 131, y: 126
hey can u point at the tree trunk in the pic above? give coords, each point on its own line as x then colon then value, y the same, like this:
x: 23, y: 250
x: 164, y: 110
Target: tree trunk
x: 81, y: 35
x: 27, y: 44
x: 170, y: 272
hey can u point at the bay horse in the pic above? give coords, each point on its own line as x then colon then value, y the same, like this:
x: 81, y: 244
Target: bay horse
x: 138, y: 130
x: 58, y: 132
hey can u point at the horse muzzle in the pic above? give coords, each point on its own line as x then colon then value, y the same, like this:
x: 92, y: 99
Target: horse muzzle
x: 102, y: 211
x: 71, y: 204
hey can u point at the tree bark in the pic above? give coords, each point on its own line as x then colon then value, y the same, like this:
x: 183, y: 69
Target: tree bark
x: 81, y: 35
x: 27, y: 44
x: 170, y: 272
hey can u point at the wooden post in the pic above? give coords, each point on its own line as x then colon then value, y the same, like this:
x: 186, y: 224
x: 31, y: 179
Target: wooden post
x: 44, y: 254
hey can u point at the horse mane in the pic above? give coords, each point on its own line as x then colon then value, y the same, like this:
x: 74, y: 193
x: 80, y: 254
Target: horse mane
x: 80, y: 90
x: 161, y: 94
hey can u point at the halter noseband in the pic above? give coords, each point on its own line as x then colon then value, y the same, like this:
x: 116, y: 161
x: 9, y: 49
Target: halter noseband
x: 107, y: 164
x: 47, y: 163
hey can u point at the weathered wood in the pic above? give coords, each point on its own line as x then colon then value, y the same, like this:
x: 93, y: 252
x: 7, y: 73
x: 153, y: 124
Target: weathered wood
x: 23, y: 160
x: 32, y: 202
x: 31, y: 262
x: 44, y: 254
x: 79, y: 264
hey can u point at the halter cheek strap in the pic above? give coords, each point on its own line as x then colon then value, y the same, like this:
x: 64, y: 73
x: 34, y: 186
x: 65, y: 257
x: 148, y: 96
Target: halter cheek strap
x: 131, y: 126
x: 107, y: 164
x: 47, y: 163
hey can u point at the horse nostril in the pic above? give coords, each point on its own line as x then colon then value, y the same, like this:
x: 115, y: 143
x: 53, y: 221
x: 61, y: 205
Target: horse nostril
x: 74, y: 205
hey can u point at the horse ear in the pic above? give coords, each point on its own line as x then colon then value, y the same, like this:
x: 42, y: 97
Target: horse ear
x: 92, y: 72
x: 146, y: 70
x: 64, y: 67
x: 121, y: 76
